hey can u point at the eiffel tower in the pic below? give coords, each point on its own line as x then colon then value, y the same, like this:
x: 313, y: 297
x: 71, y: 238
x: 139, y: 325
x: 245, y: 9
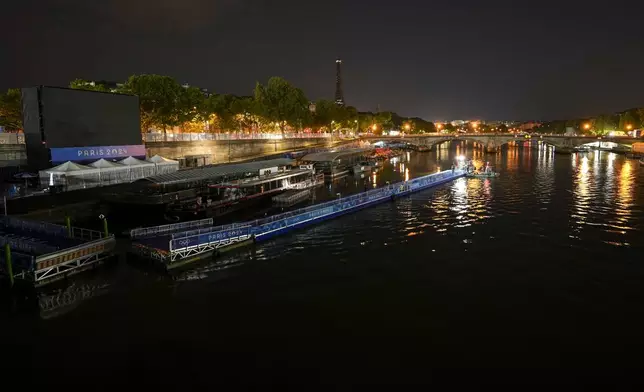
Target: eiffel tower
x: 339, y: 96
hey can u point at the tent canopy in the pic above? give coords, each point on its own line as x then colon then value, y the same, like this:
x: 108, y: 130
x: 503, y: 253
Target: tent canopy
x: 159, y: 160
x: 103, y: 164
x: 71, y: 167
x: 131, y: 161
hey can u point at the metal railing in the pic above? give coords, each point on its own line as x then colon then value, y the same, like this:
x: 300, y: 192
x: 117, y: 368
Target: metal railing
x: 208, y: 230
x: 187, y: 137
x: 20, y: 262
x: 83, y: 250
x: 28, y: 245
x: 50, y: 228
x: 143, y: 232
x: 12, y: 138
x: 86, y: 234
x: 38, y: 227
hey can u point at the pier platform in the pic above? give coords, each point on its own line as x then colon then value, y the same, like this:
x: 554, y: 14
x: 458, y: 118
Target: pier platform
x: 179, y: 247
x: 42, y: 252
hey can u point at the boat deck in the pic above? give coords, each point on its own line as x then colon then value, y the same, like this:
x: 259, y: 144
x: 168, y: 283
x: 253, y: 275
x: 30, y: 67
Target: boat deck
x: 36, y: 243
x: 160, y: 242
x: 44, y: 252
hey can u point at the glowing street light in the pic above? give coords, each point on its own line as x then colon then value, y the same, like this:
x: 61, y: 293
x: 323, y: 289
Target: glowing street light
x: 586, y: 126
x: 374, y: 127
x: 629, y: 127
x: 439, y: 126
x: 407, y: 127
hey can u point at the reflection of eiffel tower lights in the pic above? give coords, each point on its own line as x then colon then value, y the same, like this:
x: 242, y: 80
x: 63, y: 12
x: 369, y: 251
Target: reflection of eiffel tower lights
x: 62, y: 301
x: 339, y: 95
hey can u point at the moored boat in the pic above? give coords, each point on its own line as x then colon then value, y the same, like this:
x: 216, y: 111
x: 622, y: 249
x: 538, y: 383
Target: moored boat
x: 219, y: 199
x: 361, y: 167
x: 483, y: 175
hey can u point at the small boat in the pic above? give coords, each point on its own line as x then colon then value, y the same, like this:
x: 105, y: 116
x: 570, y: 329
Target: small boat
x: 361, y: 167
x: 483, y: 175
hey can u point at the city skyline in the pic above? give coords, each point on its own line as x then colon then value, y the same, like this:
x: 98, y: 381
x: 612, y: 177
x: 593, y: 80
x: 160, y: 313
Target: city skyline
x: 432, y: 61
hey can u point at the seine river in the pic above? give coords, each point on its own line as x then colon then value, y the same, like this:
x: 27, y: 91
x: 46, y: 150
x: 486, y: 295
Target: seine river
x: 542, y: 267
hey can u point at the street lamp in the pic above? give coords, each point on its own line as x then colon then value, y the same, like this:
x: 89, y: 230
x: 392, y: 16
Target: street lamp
x: 586, y: 126
x: 407, y: 127
x: 629, y: 127
x: 374, y: 127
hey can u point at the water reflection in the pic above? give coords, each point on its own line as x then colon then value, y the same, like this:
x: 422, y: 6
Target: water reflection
x: 59, y: 301
x: 579, y: 201
x: 603, y: 198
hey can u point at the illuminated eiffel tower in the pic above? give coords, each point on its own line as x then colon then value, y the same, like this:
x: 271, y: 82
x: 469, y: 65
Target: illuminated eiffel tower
x: 339, y: 96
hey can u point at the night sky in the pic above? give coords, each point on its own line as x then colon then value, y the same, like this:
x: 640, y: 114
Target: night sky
x: 440, y: 60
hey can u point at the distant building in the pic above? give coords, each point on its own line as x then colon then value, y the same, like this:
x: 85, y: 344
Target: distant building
x: 339, y: 95
x: 457, y: 123
x: 526, y: 126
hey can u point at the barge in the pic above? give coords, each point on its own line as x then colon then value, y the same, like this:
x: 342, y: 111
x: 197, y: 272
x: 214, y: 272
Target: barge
x: 226, y: 197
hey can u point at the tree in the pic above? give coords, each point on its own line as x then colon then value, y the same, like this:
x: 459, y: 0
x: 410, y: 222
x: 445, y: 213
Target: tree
x: 244, y: 112
x: 281, y: 103
x: 81, y: 84
x: 419, y: 125
x: 161, y: 99
x: 603, y: 124
x: 11, y: 110
x: 383, y: 119
x: 351, y: 120
x: 449, y: 128
x: 191, y: 106
x: 640, y: 113
x: 627, y: 121
x: 325, y: 112
x: 365, y: 121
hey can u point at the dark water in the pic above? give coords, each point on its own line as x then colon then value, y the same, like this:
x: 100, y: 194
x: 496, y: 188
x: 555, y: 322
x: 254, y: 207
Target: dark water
x: 541, y: 268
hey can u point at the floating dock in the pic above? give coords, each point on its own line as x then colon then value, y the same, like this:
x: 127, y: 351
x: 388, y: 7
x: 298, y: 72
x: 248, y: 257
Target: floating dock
x: 41, y: 252
x: 180, y: 248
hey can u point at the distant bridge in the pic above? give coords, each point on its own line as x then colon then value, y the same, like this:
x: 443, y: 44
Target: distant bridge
x: 493, y: 142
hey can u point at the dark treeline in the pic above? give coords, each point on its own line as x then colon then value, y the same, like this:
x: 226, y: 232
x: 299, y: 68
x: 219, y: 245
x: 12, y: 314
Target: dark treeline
x: 278, y: 106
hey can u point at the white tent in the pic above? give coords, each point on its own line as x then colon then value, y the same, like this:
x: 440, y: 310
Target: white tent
x: 103, y: 164
x: 71, y: 175
x: 110, y: 172
x: 164, y: 165
x: 137, y: 168
x: 69, y: 167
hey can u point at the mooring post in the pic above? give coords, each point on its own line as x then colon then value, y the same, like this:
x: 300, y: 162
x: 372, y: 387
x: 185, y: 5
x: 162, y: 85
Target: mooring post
x: 68, y: 223
x: 105, y: 230
x: 7, y: 255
